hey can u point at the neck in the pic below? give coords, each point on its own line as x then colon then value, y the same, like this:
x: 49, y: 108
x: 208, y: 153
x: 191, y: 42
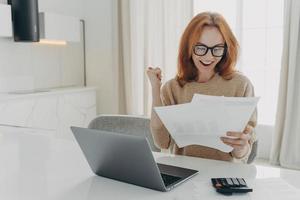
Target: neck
x: 203, y: 78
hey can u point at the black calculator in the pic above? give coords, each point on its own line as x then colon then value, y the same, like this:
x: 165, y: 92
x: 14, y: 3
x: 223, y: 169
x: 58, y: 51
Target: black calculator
x: 228, y: 186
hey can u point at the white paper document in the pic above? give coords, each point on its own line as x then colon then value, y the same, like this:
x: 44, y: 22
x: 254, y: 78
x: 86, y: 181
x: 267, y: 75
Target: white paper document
x: 206, y: 118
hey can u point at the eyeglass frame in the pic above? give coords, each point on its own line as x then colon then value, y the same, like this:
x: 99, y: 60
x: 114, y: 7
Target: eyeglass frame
x: 211, y: 49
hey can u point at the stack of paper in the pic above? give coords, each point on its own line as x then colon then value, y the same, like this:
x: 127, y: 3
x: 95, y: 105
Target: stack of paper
x: 206, y: 118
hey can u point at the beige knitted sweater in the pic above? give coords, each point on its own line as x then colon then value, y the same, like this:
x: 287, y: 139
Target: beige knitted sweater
x: 172, y: 93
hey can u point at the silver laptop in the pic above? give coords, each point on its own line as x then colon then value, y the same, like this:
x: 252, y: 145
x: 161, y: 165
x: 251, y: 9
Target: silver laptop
x: 127, y: 158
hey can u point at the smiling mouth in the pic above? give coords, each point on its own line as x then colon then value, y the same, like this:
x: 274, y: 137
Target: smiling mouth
x: 206, y: 64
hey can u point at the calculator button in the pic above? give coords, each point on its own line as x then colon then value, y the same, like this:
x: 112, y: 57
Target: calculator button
x: 242, y: 182
x: 218, y: 183
x: 229, y: 181
x: 214, y: 181
x: 223, y: 182
x: 235, y: 182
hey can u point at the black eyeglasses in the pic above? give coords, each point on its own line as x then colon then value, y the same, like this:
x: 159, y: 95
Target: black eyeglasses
x: 216, y: 51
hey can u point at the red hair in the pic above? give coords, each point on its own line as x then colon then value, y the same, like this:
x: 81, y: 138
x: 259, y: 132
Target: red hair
x: 186, y: 69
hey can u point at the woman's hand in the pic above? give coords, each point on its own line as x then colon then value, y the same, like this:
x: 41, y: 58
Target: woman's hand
x: 239, y: 141
x: 154, y: 76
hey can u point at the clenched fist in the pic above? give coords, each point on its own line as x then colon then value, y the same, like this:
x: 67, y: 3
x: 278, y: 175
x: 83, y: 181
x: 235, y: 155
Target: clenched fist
x: 154, y: 76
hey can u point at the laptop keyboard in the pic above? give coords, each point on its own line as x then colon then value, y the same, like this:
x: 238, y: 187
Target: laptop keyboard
x: 169, y: 179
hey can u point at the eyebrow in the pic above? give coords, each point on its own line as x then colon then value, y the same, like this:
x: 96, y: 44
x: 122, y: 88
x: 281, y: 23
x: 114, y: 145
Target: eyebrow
x: 219, y: 44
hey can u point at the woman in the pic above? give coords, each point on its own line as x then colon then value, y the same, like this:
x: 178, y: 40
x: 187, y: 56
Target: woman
x: 206, y: 64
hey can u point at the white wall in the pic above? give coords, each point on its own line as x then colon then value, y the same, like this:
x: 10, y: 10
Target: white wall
x: 31, y: 65
x: 101, y: 38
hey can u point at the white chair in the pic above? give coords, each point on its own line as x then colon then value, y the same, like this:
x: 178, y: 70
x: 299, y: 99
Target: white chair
x: 125, y: 124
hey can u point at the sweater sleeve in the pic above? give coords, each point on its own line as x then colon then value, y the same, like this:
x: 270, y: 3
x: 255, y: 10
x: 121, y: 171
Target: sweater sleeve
x: 161, y: 136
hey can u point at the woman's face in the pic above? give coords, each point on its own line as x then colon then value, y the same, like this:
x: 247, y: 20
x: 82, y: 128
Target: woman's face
x: 210, y: 37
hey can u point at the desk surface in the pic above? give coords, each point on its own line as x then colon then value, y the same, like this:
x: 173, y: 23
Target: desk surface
x: 37, y: 165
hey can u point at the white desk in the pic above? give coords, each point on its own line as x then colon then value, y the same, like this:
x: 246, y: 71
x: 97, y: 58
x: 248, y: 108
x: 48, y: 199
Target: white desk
x: 37, y: 165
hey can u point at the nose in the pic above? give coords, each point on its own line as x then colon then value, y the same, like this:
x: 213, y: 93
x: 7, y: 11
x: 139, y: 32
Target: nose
x: 208, y: 55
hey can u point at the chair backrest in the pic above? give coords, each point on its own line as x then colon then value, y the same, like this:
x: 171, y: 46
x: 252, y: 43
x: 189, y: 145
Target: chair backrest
x: 125, y: 124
